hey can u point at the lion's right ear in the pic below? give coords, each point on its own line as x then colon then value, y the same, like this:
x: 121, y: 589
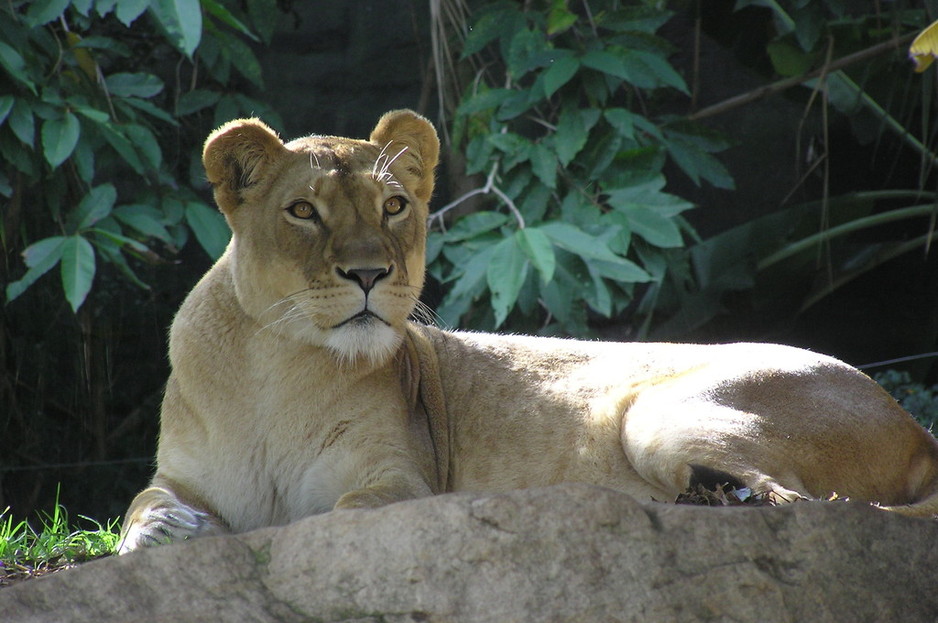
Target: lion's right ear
x: 235, y: 157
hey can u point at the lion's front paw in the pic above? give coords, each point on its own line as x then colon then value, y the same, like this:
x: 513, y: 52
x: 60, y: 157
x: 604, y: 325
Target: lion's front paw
x: 363, y: 498
x: 166, y: 524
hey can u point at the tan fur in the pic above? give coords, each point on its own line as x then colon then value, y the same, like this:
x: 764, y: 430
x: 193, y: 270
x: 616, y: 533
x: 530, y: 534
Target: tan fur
x: 285, y: 400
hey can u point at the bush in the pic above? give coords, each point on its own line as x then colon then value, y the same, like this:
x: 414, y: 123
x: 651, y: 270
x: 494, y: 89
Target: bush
x: 99, y: 143
x: 103, y: 110
x: 919, y: 400
x: 557, y: 119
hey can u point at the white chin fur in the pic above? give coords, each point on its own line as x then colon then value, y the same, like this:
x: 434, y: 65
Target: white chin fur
x: 375, y: 341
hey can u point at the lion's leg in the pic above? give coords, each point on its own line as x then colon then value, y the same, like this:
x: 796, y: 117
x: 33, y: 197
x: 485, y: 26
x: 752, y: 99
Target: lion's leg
x: 678, y: 443
x: 795, y: 434
x: 393, y: 485
x: 158, y: 515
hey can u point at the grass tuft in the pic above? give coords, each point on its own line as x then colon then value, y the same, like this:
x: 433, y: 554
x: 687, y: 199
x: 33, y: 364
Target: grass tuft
x: 27, y: 552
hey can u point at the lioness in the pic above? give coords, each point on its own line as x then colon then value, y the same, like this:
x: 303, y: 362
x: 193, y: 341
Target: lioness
x: 300, y: 385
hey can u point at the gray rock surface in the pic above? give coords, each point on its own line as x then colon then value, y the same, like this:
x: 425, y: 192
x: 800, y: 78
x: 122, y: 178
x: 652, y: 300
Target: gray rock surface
x: 566, y: 553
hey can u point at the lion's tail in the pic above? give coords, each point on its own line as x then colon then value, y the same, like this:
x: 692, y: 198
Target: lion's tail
x: 926, y: 507
x: 923, y: 482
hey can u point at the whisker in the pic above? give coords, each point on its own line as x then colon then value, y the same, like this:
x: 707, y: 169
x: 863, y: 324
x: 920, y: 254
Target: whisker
x: 425, y: 314
x: 293, y: 313
x: 384, y: 174
x: 381, y: 154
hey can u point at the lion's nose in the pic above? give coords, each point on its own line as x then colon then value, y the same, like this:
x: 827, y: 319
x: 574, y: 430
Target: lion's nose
x: 366, y: 277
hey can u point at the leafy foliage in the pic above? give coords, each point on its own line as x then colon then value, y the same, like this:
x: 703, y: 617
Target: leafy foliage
x: 791, y: 259
x: 916, y: 398
x: 556, y: 119
x: 97, y: 156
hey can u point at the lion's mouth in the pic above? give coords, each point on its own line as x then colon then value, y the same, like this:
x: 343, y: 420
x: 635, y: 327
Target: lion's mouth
x: 362, y: 318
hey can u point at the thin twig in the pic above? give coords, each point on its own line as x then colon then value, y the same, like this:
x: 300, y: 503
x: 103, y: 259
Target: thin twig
x: 489, y: 187
x: 787, y: 83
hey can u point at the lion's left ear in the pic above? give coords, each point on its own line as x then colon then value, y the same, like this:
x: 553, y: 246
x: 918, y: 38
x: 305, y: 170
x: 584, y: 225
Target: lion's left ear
x: 236, y: 156
x: 423, y: 146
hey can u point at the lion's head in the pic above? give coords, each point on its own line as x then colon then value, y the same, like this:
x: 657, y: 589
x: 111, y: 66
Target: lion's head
x: 328, y: 232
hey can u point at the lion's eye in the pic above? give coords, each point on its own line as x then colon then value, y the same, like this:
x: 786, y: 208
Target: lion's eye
x: 303, y: 210
x: 394, y: 205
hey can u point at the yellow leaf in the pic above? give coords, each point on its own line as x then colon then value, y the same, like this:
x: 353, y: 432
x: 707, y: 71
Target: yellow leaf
x: 924, y: 48
x: 82, y: 55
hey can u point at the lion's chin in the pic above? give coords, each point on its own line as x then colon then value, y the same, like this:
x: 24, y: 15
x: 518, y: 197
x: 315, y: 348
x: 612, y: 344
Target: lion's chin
x: 363, y: 338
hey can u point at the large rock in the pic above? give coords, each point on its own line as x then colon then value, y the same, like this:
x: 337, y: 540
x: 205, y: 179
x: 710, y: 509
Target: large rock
x: 567, y: 553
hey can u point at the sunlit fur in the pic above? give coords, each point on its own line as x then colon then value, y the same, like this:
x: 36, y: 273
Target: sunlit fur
x: 299, y: 383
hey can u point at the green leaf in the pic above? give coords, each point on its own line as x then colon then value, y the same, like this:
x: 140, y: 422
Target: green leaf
x: 13, y: 62
x: 263, y: 14
x: 42, y: 12
x: 83, y: 6
x: 559, y: 18
x: 809, y: 24
x: 145, y: 144
x: 196, y: 100
x: 622, y: 271
x: 112, y: 236
x: 149, y: 108
x: 649, y: 71
x: 516, y: 148
x: 599, y: 299
x: 539, y: 249
x: 22, y: 122
x: 78, y: 268
x: 110, y: 250
x: 133, y: 84
x: 93, y: 114
x: 559, y: 73
x: 182, y: 21
x: 544, y: 164
x: 39, y: 257
x: 622, y: 121
x: 576, y: 241
x: 606, y: 62
x: 129, y: 10
x: 647, y: 194
x: 600, y: 154
x: 573, y: 130
x: 144, y: 219
x: 646, y: 19
x: 483, y: 100
x: 84, y: 161
x: 474, y: 224
x: 518, y: 103
x: 6, y: 105
x: 472, y: 273
x: 116, y: 138
x: 788, y: 59
x: 655, y: 228
x: 59, y: 137
x: 505, y: 275
x: 485, y: 29
x: 226, y: 17
x: 524, y: 53
x: 242, y: 58
x: 558, y: 300
x: 96, y: 205
x: 103, y: 7
x: 697, y: 163
x: 209, y: 227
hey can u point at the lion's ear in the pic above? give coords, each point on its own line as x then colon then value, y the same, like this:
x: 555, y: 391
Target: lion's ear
x: 423, y: 145
x: 235, y: 157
